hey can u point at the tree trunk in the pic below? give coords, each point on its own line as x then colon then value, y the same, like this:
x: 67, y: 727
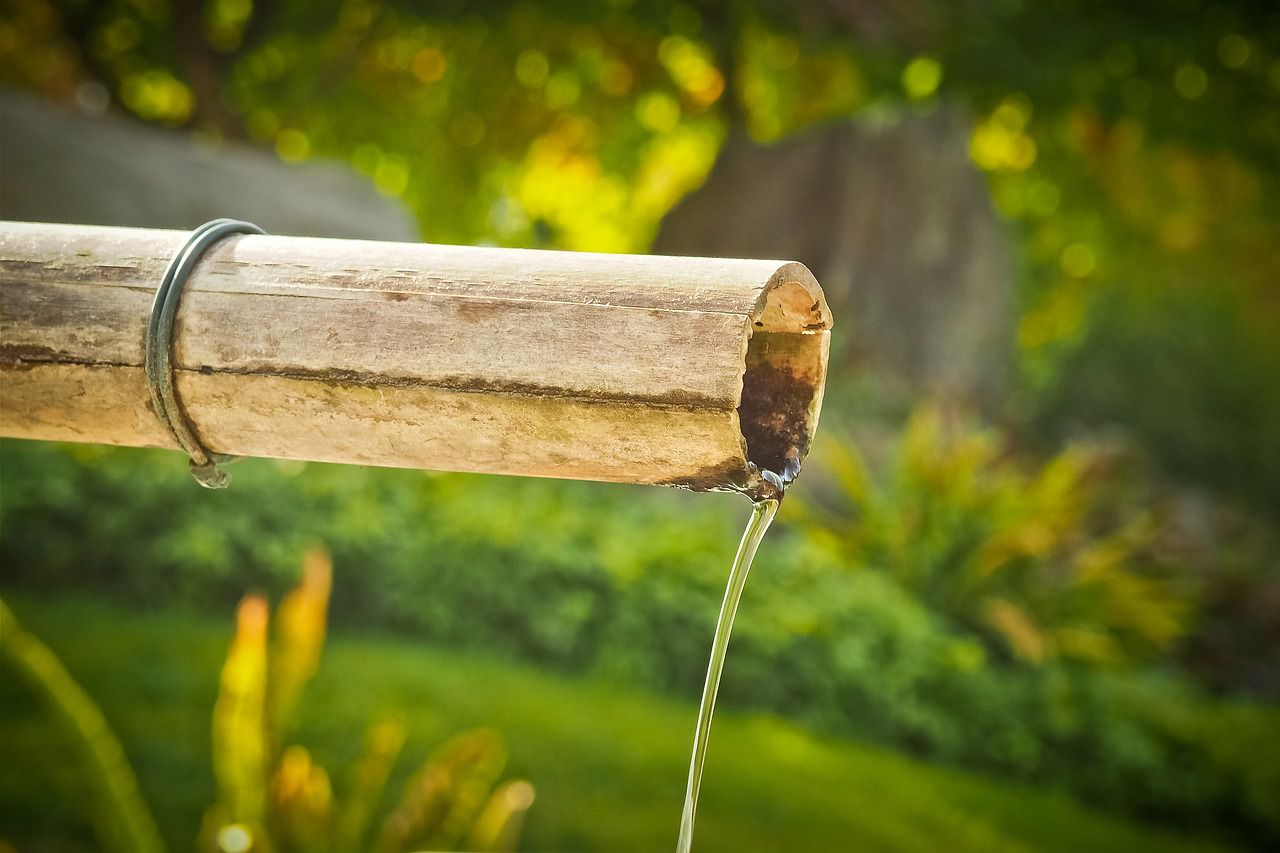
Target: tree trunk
x: 895, y: 222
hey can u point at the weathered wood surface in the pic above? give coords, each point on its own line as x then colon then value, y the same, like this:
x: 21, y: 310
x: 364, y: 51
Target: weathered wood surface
x: 555, y: 364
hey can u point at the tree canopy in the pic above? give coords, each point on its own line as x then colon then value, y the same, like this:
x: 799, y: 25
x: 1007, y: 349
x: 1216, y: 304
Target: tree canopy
x: 1133, y: 147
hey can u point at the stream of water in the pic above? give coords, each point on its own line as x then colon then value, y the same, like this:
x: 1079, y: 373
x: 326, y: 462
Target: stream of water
x: 762, y: 513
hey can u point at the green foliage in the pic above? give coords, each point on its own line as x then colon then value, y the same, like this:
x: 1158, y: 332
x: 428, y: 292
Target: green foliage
x: 277, y: 798
x: 875, y: 624
x: 608, y: 759
x: 1044, y: 560
x: 965, y: 604
x: 1131, y: 146
x: 121, y: 818
x: 1149, y: 302
x: 1193, y: 347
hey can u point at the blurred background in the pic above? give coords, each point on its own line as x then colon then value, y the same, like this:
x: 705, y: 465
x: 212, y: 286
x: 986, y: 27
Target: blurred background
x: 1025, y: 596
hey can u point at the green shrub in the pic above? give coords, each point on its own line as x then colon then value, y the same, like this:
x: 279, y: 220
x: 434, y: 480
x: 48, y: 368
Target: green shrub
x: 1043, y: 560
x: 833, y: 629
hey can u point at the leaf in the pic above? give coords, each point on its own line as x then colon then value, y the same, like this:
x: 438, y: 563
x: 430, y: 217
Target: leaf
x: 240, y: 752
x: 299, y: 640
x: 301, y: 801
x: 1017, y: 627
x: 498, y: 826
x: 121, y: 818
x: 382, y: 746
x: 846, y: 464
x: 443, y: 798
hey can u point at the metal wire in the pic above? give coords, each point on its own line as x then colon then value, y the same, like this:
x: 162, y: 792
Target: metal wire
x: 158, y: 351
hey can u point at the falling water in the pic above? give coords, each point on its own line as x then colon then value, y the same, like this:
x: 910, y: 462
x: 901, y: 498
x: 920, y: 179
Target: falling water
x: 762, y: 513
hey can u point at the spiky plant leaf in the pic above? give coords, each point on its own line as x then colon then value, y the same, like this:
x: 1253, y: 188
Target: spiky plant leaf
x: 497, y: 827
x: 298, y: 642
x: 240, y: 752
x: 301, y: 803
x: 443, y: 797
x: 122, y: 820
x: 382, y: 746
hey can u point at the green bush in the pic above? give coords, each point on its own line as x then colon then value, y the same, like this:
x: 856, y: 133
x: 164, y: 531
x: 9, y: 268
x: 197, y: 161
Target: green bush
x: 626, y: 581
x: 1044, y: 560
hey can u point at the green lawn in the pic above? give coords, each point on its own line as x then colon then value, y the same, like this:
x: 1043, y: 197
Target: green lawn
x: 608, y: 761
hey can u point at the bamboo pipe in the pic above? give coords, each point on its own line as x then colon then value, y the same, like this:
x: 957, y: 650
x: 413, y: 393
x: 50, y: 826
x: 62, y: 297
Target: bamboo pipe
x: 690, y: 372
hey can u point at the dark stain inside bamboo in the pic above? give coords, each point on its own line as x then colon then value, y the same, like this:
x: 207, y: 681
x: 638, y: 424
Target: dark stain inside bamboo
x: 778, y: 409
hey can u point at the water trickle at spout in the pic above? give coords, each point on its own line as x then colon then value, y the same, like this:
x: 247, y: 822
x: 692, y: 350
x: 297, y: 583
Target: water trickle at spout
x: 763, y: 509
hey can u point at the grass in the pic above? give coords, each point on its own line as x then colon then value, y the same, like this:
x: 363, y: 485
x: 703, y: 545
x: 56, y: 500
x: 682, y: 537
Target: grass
x: 608, y: 761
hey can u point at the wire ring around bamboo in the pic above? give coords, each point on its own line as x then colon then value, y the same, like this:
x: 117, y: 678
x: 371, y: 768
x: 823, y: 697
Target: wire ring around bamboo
x: 158, y: 351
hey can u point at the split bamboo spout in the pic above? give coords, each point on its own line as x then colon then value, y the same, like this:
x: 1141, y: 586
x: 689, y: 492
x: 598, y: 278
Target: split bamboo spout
x: 691, y: 372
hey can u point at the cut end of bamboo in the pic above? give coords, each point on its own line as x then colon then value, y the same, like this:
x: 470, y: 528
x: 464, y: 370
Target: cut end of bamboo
x: 785, y: 374
x: 786, y: 370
